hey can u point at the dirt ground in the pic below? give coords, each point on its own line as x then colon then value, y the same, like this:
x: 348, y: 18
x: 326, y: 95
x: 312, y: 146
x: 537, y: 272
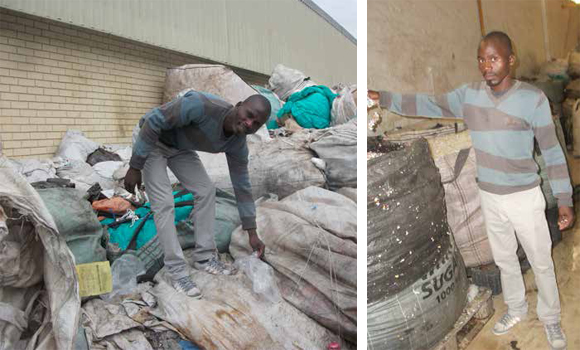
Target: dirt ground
x: 529, y: 334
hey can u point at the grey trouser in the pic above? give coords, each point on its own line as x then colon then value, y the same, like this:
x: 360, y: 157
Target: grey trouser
x: 524, y: 213
x: 189, y: 170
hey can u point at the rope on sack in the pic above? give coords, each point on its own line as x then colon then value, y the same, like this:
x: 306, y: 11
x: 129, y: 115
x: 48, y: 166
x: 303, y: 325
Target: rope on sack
x: 334, y: 296
x: 130, y: 215
x: 333, y: 284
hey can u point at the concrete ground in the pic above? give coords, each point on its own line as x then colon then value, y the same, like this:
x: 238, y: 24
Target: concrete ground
x: 529, y: 334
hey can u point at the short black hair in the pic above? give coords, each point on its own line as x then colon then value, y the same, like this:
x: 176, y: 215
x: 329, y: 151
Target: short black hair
x: 502, y: 37
x: 261, y: 104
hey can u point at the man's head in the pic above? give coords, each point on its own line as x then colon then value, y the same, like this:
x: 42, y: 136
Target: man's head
x: 495, y: 59
x: 248, y: 116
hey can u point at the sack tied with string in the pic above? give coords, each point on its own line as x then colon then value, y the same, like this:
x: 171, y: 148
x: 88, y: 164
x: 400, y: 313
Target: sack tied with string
x: 310, y: 239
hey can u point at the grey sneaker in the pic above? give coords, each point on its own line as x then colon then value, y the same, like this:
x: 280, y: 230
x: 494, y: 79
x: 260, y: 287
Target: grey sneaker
x: 187, y: 286
x: 214, y: 266
x: 505, y: 323
x: 555, y: 335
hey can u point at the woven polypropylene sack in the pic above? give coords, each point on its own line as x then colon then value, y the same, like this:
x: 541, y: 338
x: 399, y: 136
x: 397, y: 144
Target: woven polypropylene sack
x: 310, y: 239
x: 75, y: 146
x: 212, y: 78
x: 464, y: 213
x: 55, y: 264
x: 556, y: 69
x: 344, y: 106
x: 34, y: 170
x: 337, y: 147
x: 76, y: 222
x: 285, y: 81
x: 230, y: 316
x: 281, y: 166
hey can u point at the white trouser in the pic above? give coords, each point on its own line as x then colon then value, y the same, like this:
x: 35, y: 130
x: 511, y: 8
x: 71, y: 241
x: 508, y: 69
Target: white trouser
x: 524, y: 213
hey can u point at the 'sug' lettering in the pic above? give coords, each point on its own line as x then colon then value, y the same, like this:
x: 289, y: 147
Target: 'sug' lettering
x: 436, y: 283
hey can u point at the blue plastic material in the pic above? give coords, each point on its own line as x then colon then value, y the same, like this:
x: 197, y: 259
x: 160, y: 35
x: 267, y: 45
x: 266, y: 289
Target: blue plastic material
x: 187, y: 345
x: 123, y: 233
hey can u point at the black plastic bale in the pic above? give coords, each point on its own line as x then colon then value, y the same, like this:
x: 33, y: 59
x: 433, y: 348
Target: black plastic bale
x: 406, y: 218
x: 417, y: 284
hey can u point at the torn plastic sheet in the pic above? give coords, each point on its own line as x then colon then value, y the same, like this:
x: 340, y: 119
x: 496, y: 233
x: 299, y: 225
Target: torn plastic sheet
x: 118, y: 325
x: 262, y: 276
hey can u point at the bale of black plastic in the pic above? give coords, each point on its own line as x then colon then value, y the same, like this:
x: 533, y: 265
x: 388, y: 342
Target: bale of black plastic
x: 416, y: 282
x: 102, y: 155
x: 407, y: 228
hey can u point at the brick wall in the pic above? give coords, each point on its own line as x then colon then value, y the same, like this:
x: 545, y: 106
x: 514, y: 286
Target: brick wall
x: 55, y: 77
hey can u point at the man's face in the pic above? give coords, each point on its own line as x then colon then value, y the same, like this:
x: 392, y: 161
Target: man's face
x: 248, y: 119
x: 495, y: 63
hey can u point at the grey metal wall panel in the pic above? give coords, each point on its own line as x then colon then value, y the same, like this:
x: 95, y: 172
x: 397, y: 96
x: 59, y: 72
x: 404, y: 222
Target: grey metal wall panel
x: 250, y: 34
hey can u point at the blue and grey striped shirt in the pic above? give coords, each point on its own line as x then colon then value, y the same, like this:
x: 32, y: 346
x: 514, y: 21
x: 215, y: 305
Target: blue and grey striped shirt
x: 502, y: 131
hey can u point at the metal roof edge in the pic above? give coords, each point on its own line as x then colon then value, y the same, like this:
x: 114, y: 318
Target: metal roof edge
x: 319, y: 11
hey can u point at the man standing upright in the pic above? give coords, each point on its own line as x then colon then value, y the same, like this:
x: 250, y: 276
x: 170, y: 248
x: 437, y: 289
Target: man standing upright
x: 504, y: 115
x: 170, y: 135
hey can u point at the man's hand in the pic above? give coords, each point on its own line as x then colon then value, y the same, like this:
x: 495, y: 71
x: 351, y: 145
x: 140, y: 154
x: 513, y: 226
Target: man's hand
x: 565, y: 217
x: 372, y: 99
x: 256, y: 243
x: 132, y: 179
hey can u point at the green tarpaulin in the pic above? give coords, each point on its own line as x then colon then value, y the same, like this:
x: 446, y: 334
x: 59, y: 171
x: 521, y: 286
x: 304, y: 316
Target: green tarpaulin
x: 310, y: 107
x: 122, y: 234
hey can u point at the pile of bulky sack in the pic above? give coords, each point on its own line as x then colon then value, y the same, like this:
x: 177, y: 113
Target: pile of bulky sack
x: 72, y: 209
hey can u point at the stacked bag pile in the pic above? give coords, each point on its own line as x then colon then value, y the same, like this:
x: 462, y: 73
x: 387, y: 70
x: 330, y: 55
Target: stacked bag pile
x: 80, y: 213
x: 307, y: 104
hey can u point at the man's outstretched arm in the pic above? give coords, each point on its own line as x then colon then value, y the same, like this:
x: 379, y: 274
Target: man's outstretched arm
x: 447, y: 105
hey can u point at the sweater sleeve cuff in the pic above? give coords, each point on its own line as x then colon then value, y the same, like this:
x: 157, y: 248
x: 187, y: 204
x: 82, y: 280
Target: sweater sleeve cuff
x: 565, y: 202
x: 137, y: 162
x: 249, y: 223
